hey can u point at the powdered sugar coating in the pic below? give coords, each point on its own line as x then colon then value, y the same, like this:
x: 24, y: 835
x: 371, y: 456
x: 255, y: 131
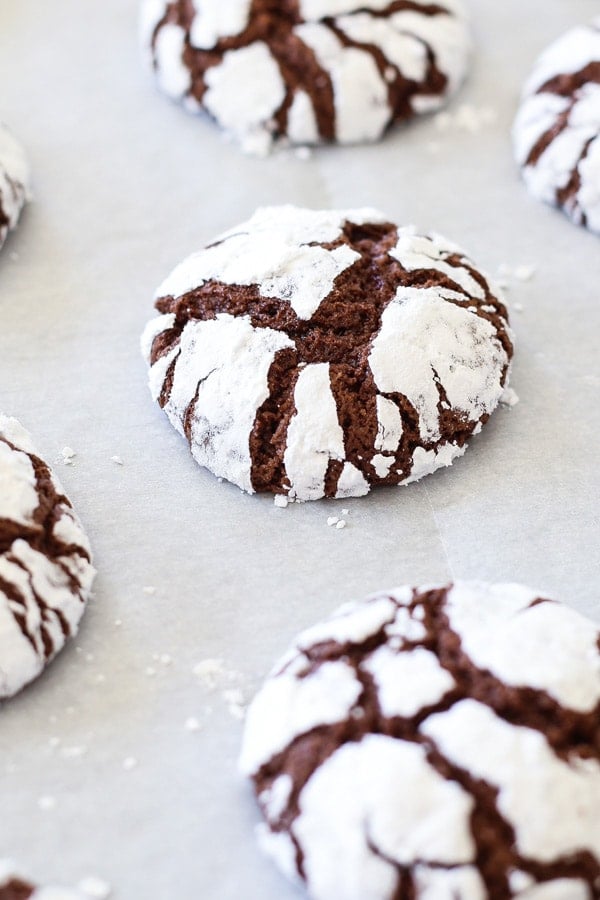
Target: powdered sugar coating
x: 557, y: 130
x: 268, y: 328
x: 14, y: 181
x: 45, y: 569
x: 450, y: 774
x: 312, y: 70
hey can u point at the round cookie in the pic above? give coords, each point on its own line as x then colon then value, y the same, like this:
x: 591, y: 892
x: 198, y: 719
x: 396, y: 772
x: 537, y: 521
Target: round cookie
x: 318, y: 353
x: 14, y: 182
x: 14, y: 886
x: 557, y: 130
x: 45, y: 563
x: 307, y: 70
x: 435, y: 742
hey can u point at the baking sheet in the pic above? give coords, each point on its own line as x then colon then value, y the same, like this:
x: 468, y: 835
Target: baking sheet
x: 98, y: 772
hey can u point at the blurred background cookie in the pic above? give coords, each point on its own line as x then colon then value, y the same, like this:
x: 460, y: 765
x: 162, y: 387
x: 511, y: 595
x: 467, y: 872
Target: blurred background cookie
x: 557, y: 129
x: 307, y: 70
x: 14, y: 181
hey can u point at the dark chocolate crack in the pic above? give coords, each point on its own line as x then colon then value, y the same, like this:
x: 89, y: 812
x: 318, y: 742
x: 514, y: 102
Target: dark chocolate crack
x: 272, y: 22
x: 570, y: 734
x: 340, y: 333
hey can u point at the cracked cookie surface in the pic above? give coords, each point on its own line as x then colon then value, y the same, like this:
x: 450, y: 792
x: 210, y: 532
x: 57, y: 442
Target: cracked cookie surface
x: 307, y: 70
x: 557, y: 130
x: 318, y: 353
x: 434, y: 742
x: 45, y: 562
x: 14, y: 182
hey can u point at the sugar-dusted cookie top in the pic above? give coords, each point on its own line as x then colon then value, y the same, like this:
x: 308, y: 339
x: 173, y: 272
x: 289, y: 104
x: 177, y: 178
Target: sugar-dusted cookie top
x: 319, y: 353
x: 435, y: 742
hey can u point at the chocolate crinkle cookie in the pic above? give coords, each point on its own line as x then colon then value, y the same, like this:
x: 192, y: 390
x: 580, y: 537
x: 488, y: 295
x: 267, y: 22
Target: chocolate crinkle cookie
x: 435, y: 742
x: 14, y: 181
x: 45, y: 569
x: 313, y: 353
x: 557, y: 129
x: 307, y: 70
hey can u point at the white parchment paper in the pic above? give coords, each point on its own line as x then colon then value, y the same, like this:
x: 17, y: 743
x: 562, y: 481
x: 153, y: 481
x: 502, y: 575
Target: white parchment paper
x: 98, y: 772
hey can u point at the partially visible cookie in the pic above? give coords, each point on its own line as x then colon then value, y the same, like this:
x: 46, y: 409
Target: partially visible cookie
x: 14, y: 181
x: 45, y: 562
x: 557, y: 129
x: 14, y: 886
x: 434, y: 743
x: 307, y: 70
x: 318, y: 353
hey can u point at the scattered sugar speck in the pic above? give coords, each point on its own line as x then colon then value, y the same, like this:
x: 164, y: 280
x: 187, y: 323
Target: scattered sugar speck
x: 118, y: 623
x: 150, y: 671
x: 116, y: 460
x: 518, y: 307
x: 303, y: 153
x: 165, y: 659
x: 95, y: 888
x: 47, y: 802
x: 149, y: 589
x: 191, y: 724
x: 68, y: 455
x: 345, y: 512
x: 54, y: 742
x: 73, y: 752
x: 525, y: 273
x: 509, y: 397
x: 129, y: 763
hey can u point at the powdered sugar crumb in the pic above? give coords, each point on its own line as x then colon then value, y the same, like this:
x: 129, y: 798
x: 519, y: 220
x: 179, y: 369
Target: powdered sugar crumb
x: 117, y: 460
x: 95, y: 888
x: 281, y: 501
x: 129, y: 763
x: 191, y: 724
x: 47, y: 803
x: 332, y: 520
x: 509, y: 397
x: 68, y: 455
x: 149, y: 589
x: 340, y: 524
